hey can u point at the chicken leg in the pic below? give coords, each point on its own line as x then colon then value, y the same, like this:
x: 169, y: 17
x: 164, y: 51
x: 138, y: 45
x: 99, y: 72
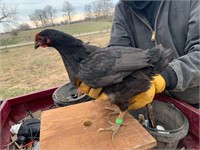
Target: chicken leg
x: 114, y: 126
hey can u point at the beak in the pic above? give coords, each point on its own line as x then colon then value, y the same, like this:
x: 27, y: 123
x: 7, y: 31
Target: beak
x: 36, y: 45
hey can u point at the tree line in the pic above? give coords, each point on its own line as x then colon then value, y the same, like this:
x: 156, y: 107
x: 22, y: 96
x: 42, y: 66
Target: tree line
x: 96, y: 10
x: 100, y: 10
x: 44, y: 16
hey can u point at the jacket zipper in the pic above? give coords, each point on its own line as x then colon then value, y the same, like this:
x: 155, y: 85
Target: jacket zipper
x: 153, y: 35
x: 153, y: 31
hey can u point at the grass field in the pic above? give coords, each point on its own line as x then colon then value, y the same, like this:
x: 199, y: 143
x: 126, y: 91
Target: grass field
x: 82, y: 27
x: 24, y: 69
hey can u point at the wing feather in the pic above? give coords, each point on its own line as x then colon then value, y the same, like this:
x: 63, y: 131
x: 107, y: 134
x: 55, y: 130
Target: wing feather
x: 110, y: 65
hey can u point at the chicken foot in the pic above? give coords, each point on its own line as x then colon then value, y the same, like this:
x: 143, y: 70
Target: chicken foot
x: 114, y: 126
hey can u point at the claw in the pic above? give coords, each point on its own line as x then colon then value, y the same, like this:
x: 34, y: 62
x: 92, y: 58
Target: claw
x: 115, y: 131
x: 114, y: 127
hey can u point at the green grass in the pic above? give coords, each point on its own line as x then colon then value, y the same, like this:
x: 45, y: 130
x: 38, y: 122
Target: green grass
x: 8, y: 41
x: 77, y: 28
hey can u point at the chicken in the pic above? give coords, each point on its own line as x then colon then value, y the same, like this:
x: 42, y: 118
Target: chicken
x: 119, y: 72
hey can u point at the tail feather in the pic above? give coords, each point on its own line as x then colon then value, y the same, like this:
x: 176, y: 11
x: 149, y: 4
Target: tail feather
x: 159, y: 58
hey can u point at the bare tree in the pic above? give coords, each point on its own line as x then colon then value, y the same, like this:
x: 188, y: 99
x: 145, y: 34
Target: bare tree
x: 35, y: 19
x: 45, y: 19
x: 106, y: 7
x: 101, y: 9
x: 50, y: 13
x: 68, y: 10
x: 8, y: 15
x: 97, y: 9
x: 41, y: 16
x: 88, y: 11
x: 44, y: 16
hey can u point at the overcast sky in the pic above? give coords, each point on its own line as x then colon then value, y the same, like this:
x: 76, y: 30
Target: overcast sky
x: 27, y: 7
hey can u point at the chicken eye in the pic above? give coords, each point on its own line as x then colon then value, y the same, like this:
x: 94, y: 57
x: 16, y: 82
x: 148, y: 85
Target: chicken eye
x: 39, y: 38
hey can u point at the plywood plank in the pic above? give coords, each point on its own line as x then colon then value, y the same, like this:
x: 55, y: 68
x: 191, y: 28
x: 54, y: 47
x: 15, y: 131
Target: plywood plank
x: 64, y: 128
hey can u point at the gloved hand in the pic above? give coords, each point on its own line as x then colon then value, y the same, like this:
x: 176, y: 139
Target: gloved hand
x: 138, y: 101
x: 144, y: 98
x: 92, y: 92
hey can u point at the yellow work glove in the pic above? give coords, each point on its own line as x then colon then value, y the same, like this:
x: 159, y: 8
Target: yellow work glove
x: 138, y: 101
x: 144, y: 98
x: 93, y: 92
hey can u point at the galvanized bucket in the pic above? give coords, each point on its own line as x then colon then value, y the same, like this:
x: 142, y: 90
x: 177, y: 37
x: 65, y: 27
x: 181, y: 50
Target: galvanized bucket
x: 171, y: 118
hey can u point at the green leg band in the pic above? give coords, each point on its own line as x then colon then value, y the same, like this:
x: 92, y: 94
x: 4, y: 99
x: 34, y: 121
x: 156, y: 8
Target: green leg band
x: 118, y: 121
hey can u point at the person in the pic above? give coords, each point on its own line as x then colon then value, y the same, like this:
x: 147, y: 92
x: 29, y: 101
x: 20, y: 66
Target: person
x: 175, y: 25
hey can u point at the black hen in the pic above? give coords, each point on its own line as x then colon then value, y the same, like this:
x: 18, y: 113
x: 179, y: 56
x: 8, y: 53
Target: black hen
x: 121, y: 72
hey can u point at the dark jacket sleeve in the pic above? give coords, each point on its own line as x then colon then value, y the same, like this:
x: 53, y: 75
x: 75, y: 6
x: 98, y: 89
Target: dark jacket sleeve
x: 187, y: 67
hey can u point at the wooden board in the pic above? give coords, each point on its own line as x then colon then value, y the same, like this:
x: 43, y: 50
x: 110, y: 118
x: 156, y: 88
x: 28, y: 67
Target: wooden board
x: 64, y: 128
